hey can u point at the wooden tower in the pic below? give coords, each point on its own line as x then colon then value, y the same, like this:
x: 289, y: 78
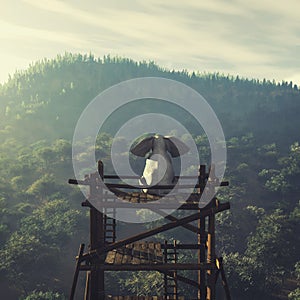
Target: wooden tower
x: 107, y: 254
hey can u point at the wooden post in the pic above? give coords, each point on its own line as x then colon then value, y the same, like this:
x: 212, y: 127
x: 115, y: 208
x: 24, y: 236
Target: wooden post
x: 87, y: 286
x: 96, y: 239
x: 211, y: 258
x: 75, y: 278
x: 175, y: 272
x: 219, y: 262
x: 165, y: 274
x: 201, y: 240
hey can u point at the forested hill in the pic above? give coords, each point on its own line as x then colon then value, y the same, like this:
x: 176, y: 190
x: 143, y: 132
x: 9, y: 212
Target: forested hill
x: 46, y: 99
x: 42, y: 222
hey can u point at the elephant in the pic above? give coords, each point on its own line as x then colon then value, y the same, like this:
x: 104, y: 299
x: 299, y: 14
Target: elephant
x: 158, y: 168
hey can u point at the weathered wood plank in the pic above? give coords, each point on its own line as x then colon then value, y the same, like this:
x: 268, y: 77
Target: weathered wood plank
x: 119, y: 256
x: 110, y: 258
x: 127, y: 258
x: 136, y: 254
x: 159, y: 253
x: 143, y: 253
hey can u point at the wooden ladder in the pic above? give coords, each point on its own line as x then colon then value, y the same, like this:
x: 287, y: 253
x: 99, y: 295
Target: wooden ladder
x: 170, y: 282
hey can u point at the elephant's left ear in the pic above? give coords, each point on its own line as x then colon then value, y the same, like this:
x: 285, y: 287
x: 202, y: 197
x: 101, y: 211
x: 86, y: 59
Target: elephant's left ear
x: 175, y: 146
x: 143, y: 147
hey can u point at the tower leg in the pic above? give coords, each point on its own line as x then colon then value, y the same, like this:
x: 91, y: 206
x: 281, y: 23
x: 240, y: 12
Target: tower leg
x: 97, y: 274
x: 75, y: 278
x: 96, y: 239
x: 211, y: 258
x: 87, y: 286
x: 201, y: 259
x: 224, y: 280
x: 201, y: 239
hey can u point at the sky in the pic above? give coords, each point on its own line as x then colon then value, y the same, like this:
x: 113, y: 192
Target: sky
x: 253, y: 39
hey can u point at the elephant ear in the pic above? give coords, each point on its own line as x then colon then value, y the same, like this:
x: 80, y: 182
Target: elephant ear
x: 143, y: 147
x: 175, y: 146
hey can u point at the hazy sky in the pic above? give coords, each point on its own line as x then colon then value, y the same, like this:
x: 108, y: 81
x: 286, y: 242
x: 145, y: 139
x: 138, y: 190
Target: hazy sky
x: 257, y: 38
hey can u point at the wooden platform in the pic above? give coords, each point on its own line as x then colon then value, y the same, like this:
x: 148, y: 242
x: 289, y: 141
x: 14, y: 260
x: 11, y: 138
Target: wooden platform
x: 136, y: 253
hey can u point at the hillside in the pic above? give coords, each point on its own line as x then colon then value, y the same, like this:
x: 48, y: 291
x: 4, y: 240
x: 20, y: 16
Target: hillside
x: 42, y: 222
x: 54, y: 93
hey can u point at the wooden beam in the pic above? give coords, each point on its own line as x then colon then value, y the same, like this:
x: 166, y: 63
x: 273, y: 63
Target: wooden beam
x: 152, y: 267
x: 172, y: 218
x: 146, y: 205
x: 129, y: 186
x: 182, y: 279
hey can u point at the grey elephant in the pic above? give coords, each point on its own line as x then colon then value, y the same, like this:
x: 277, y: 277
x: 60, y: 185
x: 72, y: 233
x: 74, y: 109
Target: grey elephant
x: 158, y: 167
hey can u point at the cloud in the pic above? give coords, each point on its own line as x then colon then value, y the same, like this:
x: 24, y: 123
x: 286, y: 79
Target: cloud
x: 24, y: 34
x: 255, y: 39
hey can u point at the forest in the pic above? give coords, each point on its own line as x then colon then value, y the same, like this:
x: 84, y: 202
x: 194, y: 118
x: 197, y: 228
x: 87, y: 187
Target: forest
x: 42, y: 222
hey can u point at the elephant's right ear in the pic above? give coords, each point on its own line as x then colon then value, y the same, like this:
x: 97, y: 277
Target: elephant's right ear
x: 143, y: 147
x: 175, y: 146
